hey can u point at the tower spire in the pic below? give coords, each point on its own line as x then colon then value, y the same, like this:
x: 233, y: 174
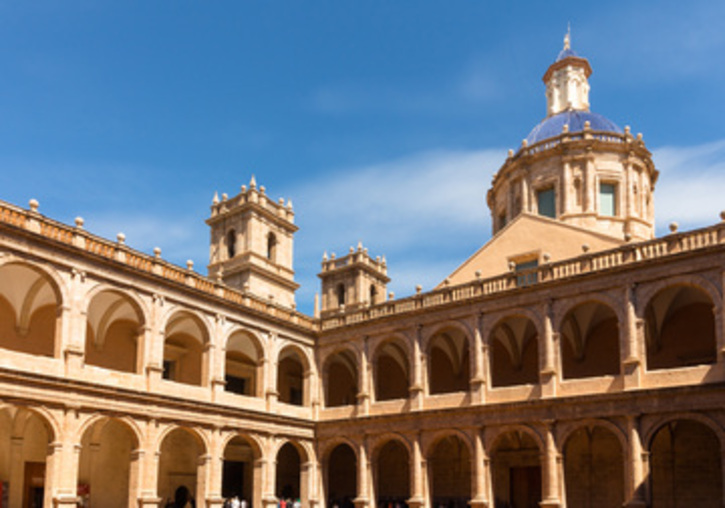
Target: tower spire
x: 567, y: 37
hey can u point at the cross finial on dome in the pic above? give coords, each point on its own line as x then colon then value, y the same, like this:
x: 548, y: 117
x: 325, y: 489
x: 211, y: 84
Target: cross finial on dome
x: 567, y: 37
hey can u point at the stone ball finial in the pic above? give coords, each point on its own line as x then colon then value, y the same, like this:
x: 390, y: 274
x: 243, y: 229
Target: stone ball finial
x: 585, y: 247
x: 627, y: 130
x: 673, y: 227
x: 478, y: 274
x: 418, y: 289
x: 511, y: 153
x: 525, y: 143
x: 639, y: 136
x: 79, y: 222
x: 565, y: 128
x: 262, y: 189
x: 121, y: 238
x: 587, y: 125
x: 512, y: 266
x: 627, y: 237
x: 190, y: 265
x: 391, y: 296
x: 546, y: 257
x: 225, y: 196
x: 33, y: 204
x: 157, y: 252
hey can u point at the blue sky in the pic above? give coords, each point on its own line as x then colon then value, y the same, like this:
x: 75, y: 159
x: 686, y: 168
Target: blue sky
x: 382, y: 121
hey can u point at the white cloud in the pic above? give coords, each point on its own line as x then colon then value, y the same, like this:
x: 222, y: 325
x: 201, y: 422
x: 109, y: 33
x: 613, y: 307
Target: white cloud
x: 426, y: 213
x: 690, y: 188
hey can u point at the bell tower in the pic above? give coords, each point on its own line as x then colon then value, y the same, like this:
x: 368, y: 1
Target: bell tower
x: 251, y: 244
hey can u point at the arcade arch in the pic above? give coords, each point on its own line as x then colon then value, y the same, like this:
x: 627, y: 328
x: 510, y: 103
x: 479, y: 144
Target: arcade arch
x: 241, y: 471
x: 448, y: 361
x: 449, y: 472
x: 180, y: 454
x: 29, y: 303
x: 391, y: 371
x: 185, y: 351
x: 292, y: 371
x: 107, y: 463
x: 680, y: 328
x: 244, y: 364
x: 392, y: 474
x: 590, y: 341
x: 341, y: 479
x: 514, y: 352
x: 341, y: 379
x: 686, y: 466
x: 516, y: 470
x: 594, y: 468
x: 114, y: 332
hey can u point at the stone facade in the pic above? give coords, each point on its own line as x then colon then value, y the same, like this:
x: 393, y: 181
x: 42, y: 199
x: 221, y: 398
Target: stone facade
x: 592, y: 375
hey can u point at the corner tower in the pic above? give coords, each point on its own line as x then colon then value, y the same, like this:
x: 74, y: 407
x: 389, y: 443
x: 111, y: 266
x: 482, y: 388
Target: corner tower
x: 251, y: 244
x: 576, y: 166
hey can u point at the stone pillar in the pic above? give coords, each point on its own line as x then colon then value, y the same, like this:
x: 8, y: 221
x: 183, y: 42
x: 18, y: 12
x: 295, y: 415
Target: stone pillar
x: 149, y: 481
x: 270, y: 496
x: 214, y: 470
x: 417, y: 498
x: 417, y: 388
x: 631, y: 341
x: 72, y: 327
x: 589, y: 184
x: 17, y: 471
x: 548, y: 354
x: 363, y: 475
x: 550, y: 471
x: 565, y: 188
x: 481, y: 471
x: 478, y: 381
x: 136, y: 475
x: 635, y: 493
x: 272, y: 390
x: 258, y: 483
x: 363, y: 395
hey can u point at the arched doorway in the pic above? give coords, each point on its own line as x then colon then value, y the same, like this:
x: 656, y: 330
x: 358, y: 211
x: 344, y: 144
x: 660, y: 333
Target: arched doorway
x: 392, y: 474
x: 25, y: 437
x: 391, y: 372
x: 590, y: 341
x: 104, y: 467
x: 341, y: 477
x: 680, y: 328
x: 288, y: 483
x: 341, y: 379
x: 514, y: 354
x: 29, y: 303
x: 241, y: 476
x: 448, y: 359
x: 686, y: 466
x: 178, y: 464
x: 516, y: 471
x: 449, y: 470
x: 594, y: 468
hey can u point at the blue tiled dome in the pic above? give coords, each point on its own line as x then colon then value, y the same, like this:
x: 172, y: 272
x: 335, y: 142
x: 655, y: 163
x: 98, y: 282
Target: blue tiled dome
x: 553, y: 125
x: 565, y: 53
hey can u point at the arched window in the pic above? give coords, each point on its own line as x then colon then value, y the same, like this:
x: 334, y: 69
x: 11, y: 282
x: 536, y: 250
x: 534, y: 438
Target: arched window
x: 271, y: 247
x: 231, y: 243
x: 340, y: 294
x: 373, y: 294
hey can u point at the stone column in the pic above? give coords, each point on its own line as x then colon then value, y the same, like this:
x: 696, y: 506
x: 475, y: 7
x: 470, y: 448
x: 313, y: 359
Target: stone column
x: 363, y: 395
x: 589, y: 184
x: 478, y: 381
x: 635, y: 493
x: 72, y: 326
x: 417, y: 498
x: 550, y: 470
x: 17, y: 472
x: 631, y: 340
x: 214, y: 471
x: 272, y: 390
x: 481, y: 471
x: 269, y: 500
x: 565, y: 187
x: 219, y: 356
x: 363, y: 475
x: 549, y: 378
x: 149, y: 481
x: 417, y: 387
x: 136, y: 475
